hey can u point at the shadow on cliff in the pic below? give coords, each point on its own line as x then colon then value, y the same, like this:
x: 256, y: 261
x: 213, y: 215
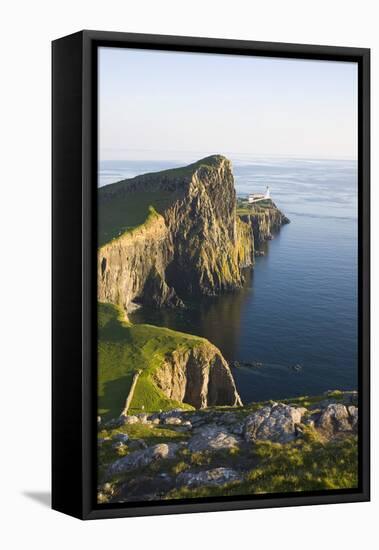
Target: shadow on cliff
x: 114, y: 395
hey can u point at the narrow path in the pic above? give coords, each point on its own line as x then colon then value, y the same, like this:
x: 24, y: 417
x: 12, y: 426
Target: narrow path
x: 131, y: 393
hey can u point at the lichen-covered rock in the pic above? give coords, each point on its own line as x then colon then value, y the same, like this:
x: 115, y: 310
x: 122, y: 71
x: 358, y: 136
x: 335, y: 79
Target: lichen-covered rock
x: 130, y: 419
x: 277, y: 422
x: 353, y: 412
x: 216, y: 476
x: 213, y: 438
x: 140, y: 459
x: 336, y: 418
x: 123, y: 438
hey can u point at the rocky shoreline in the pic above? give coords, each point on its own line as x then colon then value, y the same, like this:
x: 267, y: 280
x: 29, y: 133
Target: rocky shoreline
x: 180, y: 453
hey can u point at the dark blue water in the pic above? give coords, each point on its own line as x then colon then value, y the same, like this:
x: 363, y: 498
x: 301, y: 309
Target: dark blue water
x: 299, y: 304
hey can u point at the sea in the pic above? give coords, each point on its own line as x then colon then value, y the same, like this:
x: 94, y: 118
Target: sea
x: 292, y: 329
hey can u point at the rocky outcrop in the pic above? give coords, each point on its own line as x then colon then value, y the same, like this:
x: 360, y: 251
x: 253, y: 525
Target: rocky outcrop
x: 139, y: 459
x: 199, y: 376
x: 264, y: 222
x: 200, y: 449
x: 277, y: 422
x: 338, y: 418
x: 214, y: 477
x: 133, y: 265
x: 196, y: 245
x: 213, y: 437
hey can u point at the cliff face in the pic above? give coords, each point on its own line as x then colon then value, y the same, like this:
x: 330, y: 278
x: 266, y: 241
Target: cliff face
x: 193, y: 242
x: 264, y: 222
x: 134, y: 264
x: 148, y: 368
x: 195, y: 245
x: 199, y: 376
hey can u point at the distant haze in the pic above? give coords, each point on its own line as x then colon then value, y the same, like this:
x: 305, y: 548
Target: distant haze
x: 168, y: 105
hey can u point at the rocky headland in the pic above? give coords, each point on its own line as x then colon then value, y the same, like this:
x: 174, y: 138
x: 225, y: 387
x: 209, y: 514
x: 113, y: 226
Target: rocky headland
x: 191, y: 242
x: 164, y: 237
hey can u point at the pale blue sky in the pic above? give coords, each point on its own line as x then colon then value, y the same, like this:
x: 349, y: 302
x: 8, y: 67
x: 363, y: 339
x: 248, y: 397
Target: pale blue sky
x: 170, y: 105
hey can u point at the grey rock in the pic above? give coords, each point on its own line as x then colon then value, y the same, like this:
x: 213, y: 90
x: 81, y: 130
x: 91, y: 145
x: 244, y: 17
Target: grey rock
x: 237, y: 428
x: 212, y: 438
x: 140, y: 459
x: 122, y: 438
x: 277, y: 422
x: 136, y: 444
x: 173, y: 420
x: 335, y: 418
x: 353, y: 412
x: 187, y: 424
x: 216, y: 476
x: 177, y: 413
x: 130, y: 419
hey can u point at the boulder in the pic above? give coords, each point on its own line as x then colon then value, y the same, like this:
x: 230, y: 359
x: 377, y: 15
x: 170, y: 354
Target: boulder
x: 130, y: 419
x: 277, y: 422
x: 353, y: 412
x: 120, y: 437
x: 140, y: 459
x: 335, y: 418
x: 216, y: 476
x: 212, y: 438
x: 173, y: 420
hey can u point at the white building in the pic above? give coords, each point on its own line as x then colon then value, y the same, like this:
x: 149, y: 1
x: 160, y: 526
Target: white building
x: 255, y: 197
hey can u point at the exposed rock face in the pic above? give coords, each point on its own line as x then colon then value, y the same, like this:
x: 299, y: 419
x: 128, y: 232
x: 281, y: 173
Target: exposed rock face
x: 199, y: 376
x: 213, y: 437
x: 196, y: 245
x: 216, y: 476
x: 264, y: 222
x: 139, y: 459
x: 134, y: 260
x: 275, y: 423
x: 338, y: 418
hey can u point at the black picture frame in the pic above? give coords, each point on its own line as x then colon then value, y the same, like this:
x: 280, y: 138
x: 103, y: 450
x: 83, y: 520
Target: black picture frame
x: 74, y: 173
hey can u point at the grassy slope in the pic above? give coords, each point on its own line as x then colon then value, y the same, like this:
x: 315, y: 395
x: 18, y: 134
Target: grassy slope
x: 126, y: 210
x: 122, y: 213
x: 308, y: 464
x: 244, y: 208
x: 123, y: 349
x: 311, y: 463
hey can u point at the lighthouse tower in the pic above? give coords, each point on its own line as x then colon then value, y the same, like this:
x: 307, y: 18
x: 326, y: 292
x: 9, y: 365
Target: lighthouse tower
x: 267, y: 194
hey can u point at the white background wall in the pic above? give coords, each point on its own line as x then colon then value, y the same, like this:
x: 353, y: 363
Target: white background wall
x: 27, y: 27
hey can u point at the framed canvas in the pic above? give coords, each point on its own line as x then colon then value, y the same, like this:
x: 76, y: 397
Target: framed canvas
x: 210, y: 274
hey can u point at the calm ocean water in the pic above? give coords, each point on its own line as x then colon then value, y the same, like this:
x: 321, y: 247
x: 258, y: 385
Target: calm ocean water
x: 299, y: 305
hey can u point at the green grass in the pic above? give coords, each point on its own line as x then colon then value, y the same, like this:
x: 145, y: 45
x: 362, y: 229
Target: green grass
x: 124, y: 212
x: 124, y: 349
x: 304, y: 465
x: 150, y: 434
x: 243, y: 208
x: 121, y: 208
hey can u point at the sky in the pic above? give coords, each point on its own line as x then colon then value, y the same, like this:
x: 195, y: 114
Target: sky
x: 161, y: 105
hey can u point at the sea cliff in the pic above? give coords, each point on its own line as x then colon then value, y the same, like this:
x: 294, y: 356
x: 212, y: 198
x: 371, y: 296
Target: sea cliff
x: 190, y: 239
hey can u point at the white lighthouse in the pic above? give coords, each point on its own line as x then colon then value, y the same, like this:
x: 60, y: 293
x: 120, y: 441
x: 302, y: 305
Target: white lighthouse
x: 256, y: 197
